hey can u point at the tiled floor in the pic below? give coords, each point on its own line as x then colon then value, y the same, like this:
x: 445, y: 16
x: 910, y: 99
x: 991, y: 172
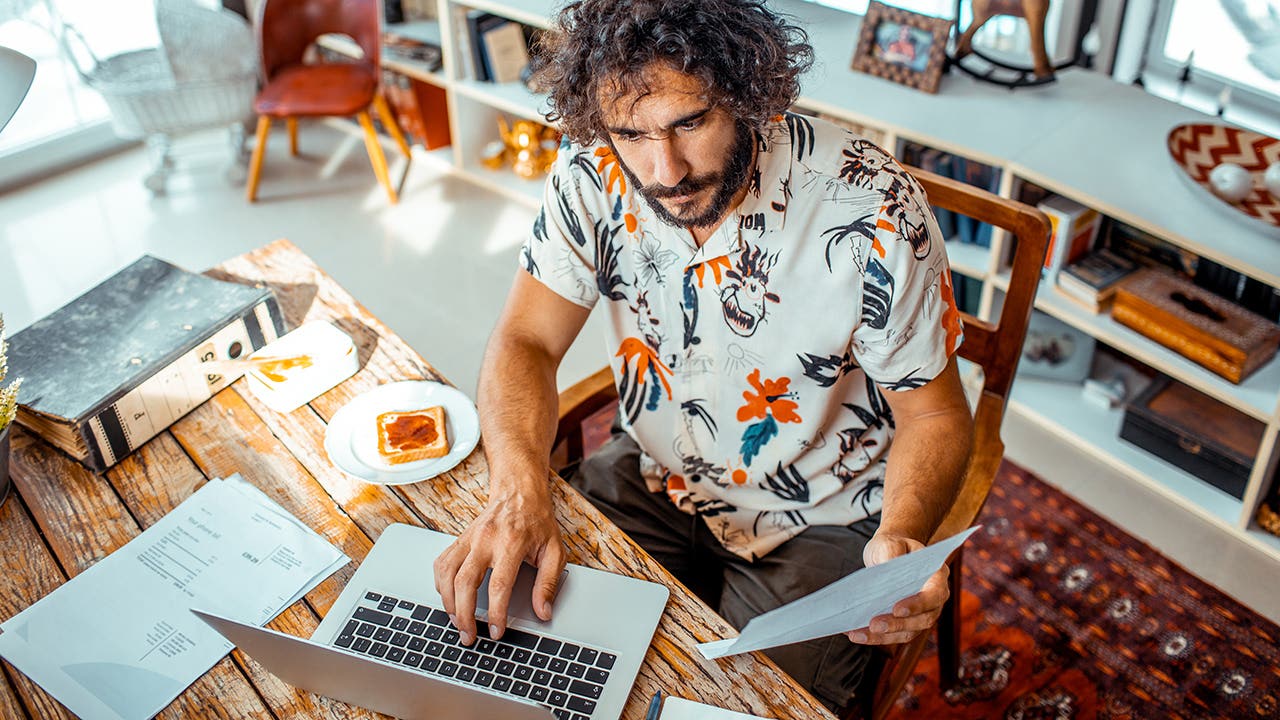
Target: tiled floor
x: 435, y: 268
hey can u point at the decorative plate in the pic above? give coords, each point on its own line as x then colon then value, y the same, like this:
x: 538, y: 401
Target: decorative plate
x: 351, y: 438
x: 1198, y: 148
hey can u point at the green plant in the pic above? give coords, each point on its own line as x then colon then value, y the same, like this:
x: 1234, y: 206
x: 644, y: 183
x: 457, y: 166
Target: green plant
x: 8, y: 395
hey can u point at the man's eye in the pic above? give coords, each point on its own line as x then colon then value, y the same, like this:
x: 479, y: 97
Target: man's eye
x: 689, y: 126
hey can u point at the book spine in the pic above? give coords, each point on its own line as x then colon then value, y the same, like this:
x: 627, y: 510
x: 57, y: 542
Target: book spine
x: 176, y: 389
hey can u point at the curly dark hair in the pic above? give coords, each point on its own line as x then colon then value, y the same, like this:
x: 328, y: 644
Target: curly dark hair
x: 748, y: 57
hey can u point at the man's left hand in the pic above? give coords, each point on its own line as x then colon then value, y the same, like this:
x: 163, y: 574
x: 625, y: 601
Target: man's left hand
x: 911, y: 615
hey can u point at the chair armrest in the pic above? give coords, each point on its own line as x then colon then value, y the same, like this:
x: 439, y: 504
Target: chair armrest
x: 579, y: 402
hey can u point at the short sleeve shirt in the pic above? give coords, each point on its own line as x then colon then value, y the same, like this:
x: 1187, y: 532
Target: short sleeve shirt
x: 750, y: 369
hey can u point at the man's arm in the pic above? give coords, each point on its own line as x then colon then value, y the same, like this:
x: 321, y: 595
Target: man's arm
x: 927, y: 460
x: 517, y: 403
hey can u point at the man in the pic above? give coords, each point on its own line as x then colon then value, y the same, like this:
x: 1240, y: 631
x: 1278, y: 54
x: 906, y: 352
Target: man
x: 764, y: 275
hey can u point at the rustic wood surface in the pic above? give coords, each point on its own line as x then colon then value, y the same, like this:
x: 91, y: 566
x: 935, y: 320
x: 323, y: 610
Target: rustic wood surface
x: 62, y: 519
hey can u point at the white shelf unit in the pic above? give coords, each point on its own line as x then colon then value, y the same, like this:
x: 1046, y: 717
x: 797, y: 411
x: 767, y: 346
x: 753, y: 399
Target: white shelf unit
x: 1086, y: 137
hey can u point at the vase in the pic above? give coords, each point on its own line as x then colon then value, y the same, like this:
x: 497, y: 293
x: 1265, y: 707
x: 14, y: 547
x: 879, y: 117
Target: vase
x: 4, y: 462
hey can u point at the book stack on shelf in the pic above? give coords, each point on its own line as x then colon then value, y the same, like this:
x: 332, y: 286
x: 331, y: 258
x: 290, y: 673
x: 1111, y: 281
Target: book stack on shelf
x: 498, y: 48
x: 1092, y: 280
x: 1074, y: 229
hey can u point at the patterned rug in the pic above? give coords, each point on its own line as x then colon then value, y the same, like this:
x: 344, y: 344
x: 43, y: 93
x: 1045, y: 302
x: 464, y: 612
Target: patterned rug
x: 1067, y: 616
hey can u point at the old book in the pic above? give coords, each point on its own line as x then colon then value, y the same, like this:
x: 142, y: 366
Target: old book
x: 122, y: 362
x: 1093, y: 279
x: 505, y: 52
x: 1221, y: 336
x: 1074, y: 227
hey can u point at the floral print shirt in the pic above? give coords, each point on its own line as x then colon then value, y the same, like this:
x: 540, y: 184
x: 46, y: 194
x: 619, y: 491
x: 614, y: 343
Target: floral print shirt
x: 750, y: 370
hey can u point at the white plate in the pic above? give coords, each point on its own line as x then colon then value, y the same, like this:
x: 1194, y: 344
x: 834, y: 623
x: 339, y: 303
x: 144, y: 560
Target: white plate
x: 351, y: 439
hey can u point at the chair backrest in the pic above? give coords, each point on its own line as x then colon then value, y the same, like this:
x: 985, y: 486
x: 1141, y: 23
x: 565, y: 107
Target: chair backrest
x: 285, y: 28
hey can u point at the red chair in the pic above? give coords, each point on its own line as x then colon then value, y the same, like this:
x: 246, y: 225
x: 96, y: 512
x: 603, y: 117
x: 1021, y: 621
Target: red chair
x: 285, y: 29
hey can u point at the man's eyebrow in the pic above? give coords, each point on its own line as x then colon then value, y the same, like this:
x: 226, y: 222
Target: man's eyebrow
x: 695, y: 115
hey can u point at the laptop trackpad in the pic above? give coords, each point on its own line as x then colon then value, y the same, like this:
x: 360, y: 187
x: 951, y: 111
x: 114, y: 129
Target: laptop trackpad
x: 521, y: 603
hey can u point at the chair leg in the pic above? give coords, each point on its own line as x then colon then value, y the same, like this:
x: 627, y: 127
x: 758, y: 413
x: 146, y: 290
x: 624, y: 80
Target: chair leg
x: 293, y: 135
x: 376, y: 157
x: 949, y: 629
x: 255, y: 163
x: 389, y: 122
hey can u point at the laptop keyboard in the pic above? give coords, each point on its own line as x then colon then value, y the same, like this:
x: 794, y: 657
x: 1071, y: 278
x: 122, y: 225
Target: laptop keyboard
x: 560, y: 675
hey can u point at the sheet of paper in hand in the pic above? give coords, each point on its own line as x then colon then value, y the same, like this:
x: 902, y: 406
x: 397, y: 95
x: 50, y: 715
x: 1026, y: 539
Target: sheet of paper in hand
x: 846, y: 604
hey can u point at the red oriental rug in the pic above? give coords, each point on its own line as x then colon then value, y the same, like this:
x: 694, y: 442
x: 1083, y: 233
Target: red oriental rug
x: 1067, y: 616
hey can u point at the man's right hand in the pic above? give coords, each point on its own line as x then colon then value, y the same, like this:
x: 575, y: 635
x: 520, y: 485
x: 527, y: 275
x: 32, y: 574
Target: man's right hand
x: 514, y: 528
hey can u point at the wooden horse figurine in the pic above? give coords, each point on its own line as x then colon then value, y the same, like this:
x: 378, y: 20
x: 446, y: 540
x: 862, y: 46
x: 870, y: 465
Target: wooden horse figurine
x: 1034, y: 11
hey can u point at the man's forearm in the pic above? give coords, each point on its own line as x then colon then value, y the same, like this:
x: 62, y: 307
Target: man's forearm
x: 926, y: 465
x: 518, y: 412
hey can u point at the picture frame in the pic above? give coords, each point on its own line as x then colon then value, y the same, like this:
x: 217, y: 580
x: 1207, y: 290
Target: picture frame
x: 905, y: 47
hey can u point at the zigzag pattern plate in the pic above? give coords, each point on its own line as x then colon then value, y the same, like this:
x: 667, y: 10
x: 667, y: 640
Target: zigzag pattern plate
x: 1198, y: 148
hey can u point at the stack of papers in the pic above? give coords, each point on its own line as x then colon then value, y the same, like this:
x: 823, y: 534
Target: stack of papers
x: 674, y: 708
x: 118, y: 641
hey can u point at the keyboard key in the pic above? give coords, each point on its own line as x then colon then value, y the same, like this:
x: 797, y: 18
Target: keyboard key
x: 417, y: 628
x: 504, y: 651
x: 407, y: 605
x: 596, y: 675
x: 486, y: 646
x: 413, y: 658
x: 521, y: 655
x: 539, y: 694
x: 558, y: 665
x: 389, y: 599
x: 484, y: 679
x: 395, y: 654
x: 520, y: 688
x: 373, y: 616
x: 434, y: 649
x: 366, y: 630
x: 344, y: 640
x: 488, y: 662
x: 434, y: 632
x: 350, y: 629
x: 520, y: 638
x: 577, y: 670
x: 546, y: 645
x: 466, y: 674
x: 506, y: 667
x: 387, y: 605
x: 378, y: 650
x: 541, y: 677
x: 560, y: 682
x: 569, y: 651
x: 452, y: 653
x: 582, y: 705
x: 439, y: 617
x: 579, y: 717
x: 606, y: 660
x: 587, y: 656
x: 502, y: 684
x: 371, y: 595
x: 400, y: 639
x: 416, y: 644
x: 562, y: 714
x: 448, y: 669
x: 523, y: 672
x: 399, y: 623
x: 362, y: 644
x: 585, y: 689
x: 482, y: 630
x: 558, y: 698
x: 431, y: 664
x: 470, y: 658
x: 422, y: 613
x: 451, y: 637
x: 539, y: 660
x: 382, y: 634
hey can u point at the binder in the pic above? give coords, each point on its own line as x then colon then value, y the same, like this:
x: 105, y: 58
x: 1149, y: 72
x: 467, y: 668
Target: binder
x: 121, y: 363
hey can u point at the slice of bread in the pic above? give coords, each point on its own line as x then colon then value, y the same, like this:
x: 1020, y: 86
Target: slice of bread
x: 404, y: 437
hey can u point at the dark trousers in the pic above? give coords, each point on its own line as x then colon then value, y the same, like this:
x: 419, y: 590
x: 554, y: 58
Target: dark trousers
x: 832, y: 668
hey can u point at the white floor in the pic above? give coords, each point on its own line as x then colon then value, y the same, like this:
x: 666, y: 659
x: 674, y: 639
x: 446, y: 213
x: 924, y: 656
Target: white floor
x: 435, y: 268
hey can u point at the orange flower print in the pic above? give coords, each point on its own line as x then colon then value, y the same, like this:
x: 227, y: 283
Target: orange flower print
x: 770, y: 397
x: 950, y: 315
x: 610, y: 170
x: 677, y: 489
x: 718, y: 266
x: 739, y: 477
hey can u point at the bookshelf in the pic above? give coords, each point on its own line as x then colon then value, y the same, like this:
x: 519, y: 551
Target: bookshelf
x: 1085, y: 137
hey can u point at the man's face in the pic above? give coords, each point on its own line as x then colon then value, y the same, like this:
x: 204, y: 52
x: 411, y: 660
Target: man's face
x: 686, y: 157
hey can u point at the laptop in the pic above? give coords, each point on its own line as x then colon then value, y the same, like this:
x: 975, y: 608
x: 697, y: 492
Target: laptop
x: 387, y: 644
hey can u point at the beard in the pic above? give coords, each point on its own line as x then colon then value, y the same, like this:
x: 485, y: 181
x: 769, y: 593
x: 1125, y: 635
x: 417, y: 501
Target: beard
x: 727, y: 182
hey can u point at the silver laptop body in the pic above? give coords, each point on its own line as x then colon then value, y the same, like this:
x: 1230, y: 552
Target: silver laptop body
x: 591, y: 650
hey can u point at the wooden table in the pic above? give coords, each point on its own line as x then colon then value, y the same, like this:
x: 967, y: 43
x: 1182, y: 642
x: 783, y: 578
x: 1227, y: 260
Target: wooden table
x: 62, y: 519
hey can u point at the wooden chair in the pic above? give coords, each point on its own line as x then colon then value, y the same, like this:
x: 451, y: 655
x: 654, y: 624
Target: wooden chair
x: 293, y: 89
x: 995, y: 347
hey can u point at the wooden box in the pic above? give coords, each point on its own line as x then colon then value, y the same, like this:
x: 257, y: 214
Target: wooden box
x: 1216, y: 333
x: 421, y: 109
x: 1183, y: 426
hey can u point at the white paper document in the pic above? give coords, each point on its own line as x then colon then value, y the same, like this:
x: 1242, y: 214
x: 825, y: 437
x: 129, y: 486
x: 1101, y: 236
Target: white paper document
x: 118, y: 641
x: 846, y: 604
x: 674, y: 708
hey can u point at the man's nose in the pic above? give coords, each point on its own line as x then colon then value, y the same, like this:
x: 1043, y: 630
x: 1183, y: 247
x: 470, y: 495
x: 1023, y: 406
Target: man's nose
x: 669, y: 168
